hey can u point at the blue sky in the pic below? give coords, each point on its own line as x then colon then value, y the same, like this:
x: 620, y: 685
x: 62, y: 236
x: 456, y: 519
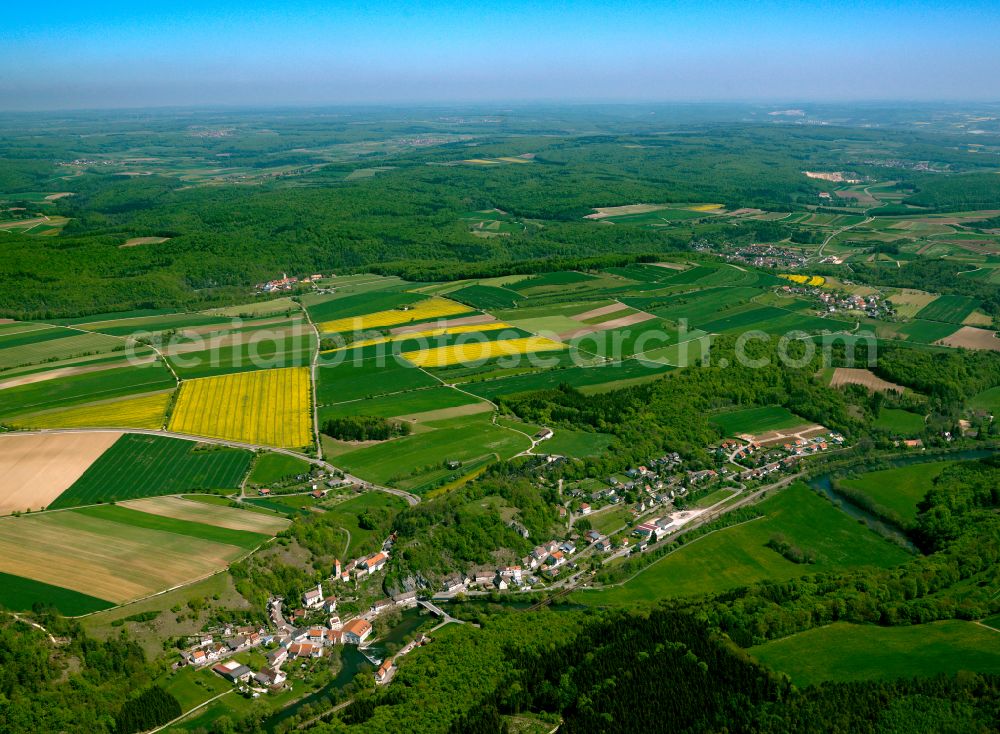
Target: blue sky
x: 153, y: 52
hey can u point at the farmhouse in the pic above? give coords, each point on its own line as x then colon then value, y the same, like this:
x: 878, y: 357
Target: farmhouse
x: 233, y: 671
x: 356, y: 631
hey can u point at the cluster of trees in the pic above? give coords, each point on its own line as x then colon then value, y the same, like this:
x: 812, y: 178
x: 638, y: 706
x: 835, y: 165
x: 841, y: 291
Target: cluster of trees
x: 83, y: 685
x: 673, y: 414
x: 365, y: 428
x: 454, y: 532
x: 149, y: 709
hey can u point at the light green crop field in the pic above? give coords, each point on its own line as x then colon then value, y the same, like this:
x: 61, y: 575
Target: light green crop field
x: 988, y: 400
x: 898, y: 489
x: 844, y: 651
x: 405, y: 462
x: 738, y: 556
x: 353, y: 380
x: 578, y: 444
x: 408, y: 403
x: 757, y: 420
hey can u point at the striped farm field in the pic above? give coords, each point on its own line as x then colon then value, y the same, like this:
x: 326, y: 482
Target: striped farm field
x: 266, y: 407
x: 460, y: 353
x: 426, y: 334
x: 147, y: 411
x: 431, y: 308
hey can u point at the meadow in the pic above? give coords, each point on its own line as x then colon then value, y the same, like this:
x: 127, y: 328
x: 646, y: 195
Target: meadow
x: 139, y: 465
x: 899, y: 422
x: 900, y: 489
x: 738, y: 555
x: 271, y: 467
x: 50, y: 344
x: 486, y: 297
x: 843, y: 652
x: 988, y: 400
x: 347, y: 515
x: 575, y: 376
x: 756, y: 420
x: 406, y: 462
x: 268, y: 407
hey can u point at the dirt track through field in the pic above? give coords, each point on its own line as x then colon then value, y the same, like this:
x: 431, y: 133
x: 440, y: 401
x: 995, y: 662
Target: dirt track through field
x: 36, y: 469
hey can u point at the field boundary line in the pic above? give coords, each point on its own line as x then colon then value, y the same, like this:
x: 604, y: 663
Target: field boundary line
x: 188, y: 713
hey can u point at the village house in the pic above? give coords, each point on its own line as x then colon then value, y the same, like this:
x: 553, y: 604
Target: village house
x: 584, y: 509
x: 198, y: 657
x: 330, y: 604
x: 270, y: 677
x: 304, y: 650
x: 383, y: 670
x: 453, y: 584
x: 316, y: 635
x: 511, y: 572
x: 335, y: 623
x: 356, y: 631
x: 277, y: 657
x: 334, y: 637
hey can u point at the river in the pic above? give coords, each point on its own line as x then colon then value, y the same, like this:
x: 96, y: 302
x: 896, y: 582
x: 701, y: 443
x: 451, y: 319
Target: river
x: 352, y: 662
x: 824, y: 483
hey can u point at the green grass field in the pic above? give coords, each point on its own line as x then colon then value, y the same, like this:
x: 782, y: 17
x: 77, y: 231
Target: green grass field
x: 756, y: 420
x: 578, y: 444
x: 271, y: 467
x: 899, y: 422
x: 69, y: 391
x: 348, y: 512
x: 844, y: 651
x: 20, y: 595
x: 993, y: 622
x: 575, y: 376
x: 353, y: 380
x: 146, y: 466
x: 738, y: 556
x: 135, y: 518
x: 950, y: 308
x: 900, y: 489
x: 408, y: 462
x: 988, y: 400
x: 925, y: 332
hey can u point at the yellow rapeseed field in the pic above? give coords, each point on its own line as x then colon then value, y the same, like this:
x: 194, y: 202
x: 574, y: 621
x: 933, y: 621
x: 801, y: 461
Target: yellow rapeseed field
x: 705, y: 207
x: 813, y: 280
x: 426, y: 334
x: 432, y: 308
x: 266, y: 407
x: 143, y: 412
x: 442, y: 356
